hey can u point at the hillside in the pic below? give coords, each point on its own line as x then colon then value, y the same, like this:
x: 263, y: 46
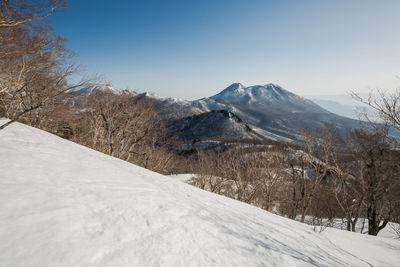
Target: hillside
x: 204, y: 126
x: 62, y: 204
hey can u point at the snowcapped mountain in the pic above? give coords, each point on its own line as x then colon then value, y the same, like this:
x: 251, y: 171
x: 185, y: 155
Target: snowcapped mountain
x: 201, y: 120
x: 90, y: 89
x: 270, y: 110
x: 264, y: 95
x: 275, y: 110
x: 72, y: 206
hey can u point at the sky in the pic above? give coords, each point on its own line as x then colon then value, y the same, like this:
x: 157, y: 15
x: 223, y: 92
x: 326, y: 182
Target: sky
x: 195, y: 48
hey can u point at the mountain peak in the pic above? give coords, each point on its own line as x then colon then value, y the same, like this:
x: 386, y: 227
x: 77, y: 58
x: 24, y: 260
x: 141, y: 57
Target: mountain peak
x: 239, y: 93
x: 272, y: 85
x: 234, y: 87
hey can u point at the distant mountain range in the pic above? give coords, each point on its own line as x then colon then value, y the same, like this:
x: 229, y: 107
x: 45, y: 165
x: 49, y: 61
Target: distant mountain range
x: 239, y: 112
x: 345, y: 105
x: 268, y: 110
x: 345, y: 110
x: 90, y: 89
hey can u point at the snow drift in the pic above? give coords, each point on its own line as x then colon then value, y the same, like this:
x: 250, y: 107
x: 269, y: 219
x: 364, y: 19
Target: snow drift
x: 62, y: 204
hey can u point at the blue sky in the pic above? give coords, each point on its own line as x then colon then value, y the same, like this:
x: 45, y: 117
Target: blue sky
x: 195, y: 48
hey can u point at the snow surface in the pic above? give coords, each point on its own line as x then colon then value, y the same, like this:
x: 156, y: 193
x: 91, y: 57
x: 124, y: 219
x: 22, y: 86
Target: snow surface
x: 62, y: 204
x: 271, y: 136
x: 183, y: 177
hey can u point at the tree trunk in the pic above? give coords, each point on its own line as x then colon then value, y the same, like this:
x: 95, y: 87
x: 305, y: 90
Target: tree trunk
x: 348, y: 222
x: 373, y: 224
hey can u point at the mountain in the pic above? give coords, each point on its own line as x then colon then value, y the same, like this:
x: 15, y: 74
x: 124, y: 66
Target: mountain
x: 204, y: 127
x: 90, y: 89
x: 171, y: 109
x: 268, y: 110
x: 220, y: 124
x: 269, y: 95
x: 274, y: 109
x: 337, y: 108
x: 72, y: 206
x: 346, y: 105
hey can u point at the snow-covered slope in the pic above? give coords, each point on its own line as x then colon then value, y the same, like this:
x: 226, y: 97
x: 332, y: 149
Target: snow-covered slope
x: 62, y: 204
x: 171, y: 109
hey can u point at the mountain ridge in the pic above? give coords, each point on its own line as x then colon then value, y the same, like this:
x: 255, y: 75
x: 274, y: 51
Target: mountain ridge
x: 274, y: 109
x: 270, y: 108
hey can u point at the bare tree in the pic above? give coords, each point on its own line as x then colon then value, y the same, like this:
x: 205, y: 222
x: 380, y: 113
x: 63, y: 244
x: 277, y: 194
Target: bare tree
x: 387, y: 107
x: 249, y: 176
x: 379, y: 178
x: 14, y: 13
x: 347, y: 175
x: 268, y: 173
x: 34, y: 63
x: 210, y: 170
x: 317, y: 155
x: 124, y: 126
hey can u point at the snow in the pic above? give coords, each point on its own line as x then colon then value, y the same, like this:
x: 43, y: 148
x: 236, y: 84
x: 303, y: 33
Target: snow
x: 102, y: 87
x: 153, y: 96
x: 3, y: 121
x: 62, y: 204
x: 239, y: 93
x: 183, y: 177
x: 271, y: 136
